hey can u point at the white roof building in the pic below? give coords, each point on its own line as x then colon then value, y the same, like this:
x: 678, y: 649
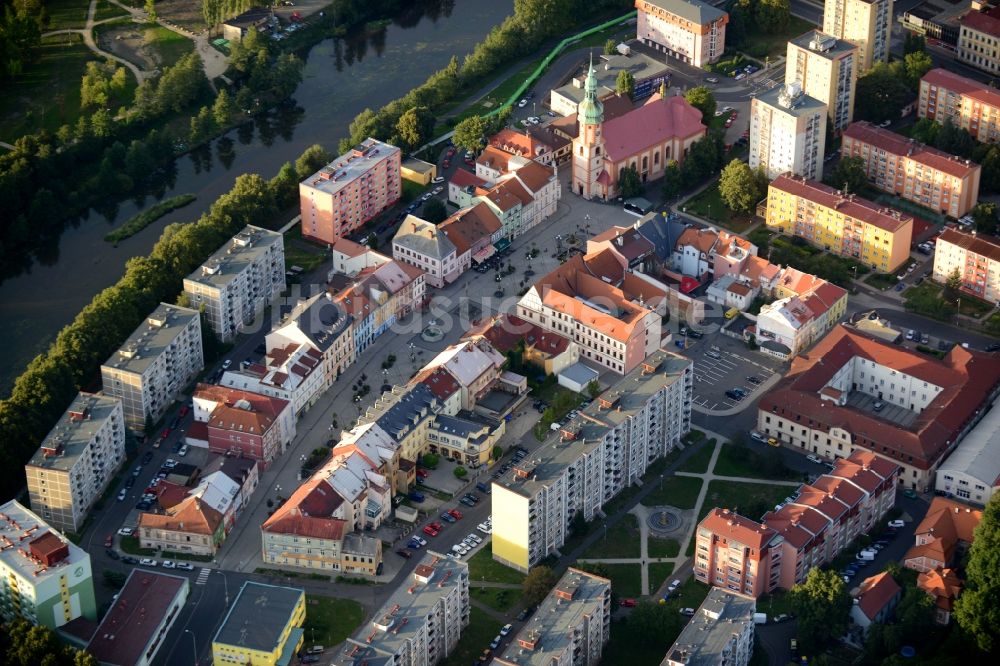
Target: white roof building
x: 972, y: 472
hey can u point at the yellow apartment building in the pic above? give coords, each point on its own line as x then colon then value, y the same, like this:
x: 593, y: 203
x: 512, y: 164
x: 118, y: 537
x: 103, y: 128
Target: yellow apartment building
x: 263, y: 626
x: 827, y: 70
x: 839, y: 223
x: 866, y: 23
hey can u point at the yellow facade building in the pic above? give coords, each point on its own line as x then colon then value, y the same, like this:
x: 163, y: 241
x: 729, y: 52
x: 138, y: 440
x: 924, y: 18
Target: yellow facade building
x: 263, y: 627
x: 867, y: 23
x: 827, y: 70
x: 839, y: 223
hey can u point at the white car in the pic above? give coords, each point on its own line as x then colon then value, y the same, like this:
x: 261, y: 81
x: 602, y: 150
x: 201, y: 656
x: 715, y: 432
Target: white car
x: 674, y: 585
x: 146, y: 562
x: 896, y: 524
x: 122, y: 494
x: 437, y: 190
x: 126, y: 531
x: 426, y: 197
x: 184, y: 451
x: 226, y: 364
x: 757, y: 437
x: 168, y: 564
x: 483, y: 528
x: 170, y: 463
x: 523, y: 103
x: 419, y: 540
x: 439, y: 179
x: 815, y: 459
x: 506, y: 629
x: 187, y: 566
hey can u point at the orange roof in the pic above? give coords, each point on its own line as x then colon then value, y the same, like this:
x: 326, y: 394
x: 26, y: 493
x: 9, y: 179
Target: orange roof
x: 875, y: 593
x: 191, y: 516
x: 703, y: 239
x: 731, y: 526
x: 943, y: 584
x: 970, y: 88
x: 494, y: 158
x: 863, y: 132
x: 470, y: 226
x: 349, y: 247
x: 519, y: 143
x: 505, y: 331
x: 535, y: 176
x: 950, y: 520
x: 966, y: 377
x: 849, y: 205
x: 307, y: 513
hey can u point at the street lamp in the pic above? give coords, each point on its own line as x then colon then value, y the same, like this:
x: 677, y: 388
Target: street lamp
x: 225, y: 583
x: 194, y: 646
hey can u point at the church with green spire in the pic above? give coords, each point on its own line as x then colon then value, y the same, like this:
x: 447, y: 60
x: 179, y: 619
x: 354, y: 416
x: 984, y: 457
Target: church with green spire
x: 646, y: 139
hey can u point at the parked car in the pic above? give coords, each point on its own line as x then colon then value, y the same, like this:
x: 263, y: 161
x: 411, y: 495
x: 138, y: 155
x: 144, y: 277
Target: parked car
x: 506, y: 629
x: 169, y: 564
x: 757, y: 437
x: 688, y: 612
x: 404, y: 554
x: 439, y: 179
x: 183, y: 451
x: 430, y: 531
x: 456, y: 514
x: 627, y: 603
x: 416, y: 497
x: 109, y: 541
x: 814, y: 458
x: 147, y: 562
x: 495, y: 643
x: 122, y: 494
x: 187, y: 566
x: 128, y: 559
x: 113, y: 554
x: 878, y: 406
x: 711, y: 79
x: 896, y: 523
x: 125, y: 531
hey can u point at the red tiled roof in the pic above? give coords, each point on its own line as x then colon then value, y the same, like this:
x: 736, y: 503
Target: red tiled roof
x: 875, y: 593
x: 986, y: 22
x: 852, y: 206
x: 464, y: 178
x: 950, y: 520
x: 650, y: 125
x: 494, y: 158
x: 981, y: 244
x: 349, y: 247
x: 739, y: 289
x: 863, y: 132
x: 966, y: 377
x: 734, y: 527
x: 702, y: 239
x: 307, y: 513
x: 441, y: 383
x: 964, y: 86
x: 535, y: 176
x: 519, y: 143
x: 190, y: 516
x: 943, y: 584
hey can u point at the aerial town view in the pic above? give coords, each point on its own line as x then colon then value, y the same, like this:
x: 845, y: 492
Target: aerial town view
x: 500, y: 332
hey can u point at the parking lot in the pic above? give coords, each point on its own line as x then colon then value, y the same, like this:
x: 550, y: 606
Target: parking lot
x: 722, y: 364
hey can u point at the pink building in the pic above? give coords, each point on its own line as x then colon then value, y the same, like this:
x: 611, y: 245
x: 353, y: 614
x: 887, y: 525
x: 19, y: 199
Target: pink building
x: 256, y: 426
x: 754, y: 558
x: 349, y: 191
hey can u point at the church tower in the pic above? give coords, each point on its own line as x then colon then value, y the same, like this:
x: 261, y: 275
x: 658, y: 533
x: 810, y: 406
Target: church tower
x: 590, y: 179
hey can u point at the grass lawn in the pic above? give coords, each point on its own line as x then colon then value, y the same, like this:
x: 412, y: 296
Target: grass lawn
x: 776, y: 603
x: 658, y: 573
x: 481, y: 630
x: 330, y: 621
x: 709, y: 205
x: 47, y: 94
x: 742, y: 461
x: 296, y: 255
x: 698, y: 463
x: 483, y: 567
x: 882, y: 281
x: 662, y: 547
x: 66, y: 14
x: 496, y: 598
x: 130, y: 545
x: 751, y: 500
x: 626, y: 579
x: 168, y: 45
x: 105, y: 10
x: 622, y: 540
x: 679, y: 491
x: 776, y: 44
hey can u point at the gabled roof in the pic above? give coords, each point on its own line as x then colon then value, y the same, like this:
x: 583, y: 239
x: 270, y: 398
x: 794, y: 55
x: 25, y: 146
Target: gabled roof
x: 626, y: 241
x: 440, y: 382
x: 470, y: 226
x: 464, y: 178
x: 650, y: 125
x: 348, y: 247
x: 423, y: 238
x: 695, y: 11
x: 975, y: 243
x: 897, y: 144
x: 191, y: 516
x: 875, y: 593
x: 506, y: 331
x: 942, y: 584
x: 987, y: 22
x: 849, y: 205
x: 703, y: 240
x: 734, y: 527
x: 535, y: 176
x: 966, y: 378
x: 962, y: 85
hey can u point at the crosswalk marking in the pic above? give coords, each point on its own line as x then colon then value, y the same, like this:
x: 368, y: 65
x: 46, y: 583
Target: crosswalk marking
x: 203, y: 576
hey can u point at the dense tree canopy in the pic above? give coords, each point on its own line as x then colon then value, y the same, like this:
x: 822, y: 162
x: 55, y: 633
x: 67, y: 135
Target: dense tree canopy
x: 822, y: 605
x: 470, y: 133
x: 882, y: 93
x: 978, y: 608
x: 625, y: 83
x: 702, y: 99
x: 629, y: 184
x: 537, y: 584
x: 849, y: 174
x: 742, y: 187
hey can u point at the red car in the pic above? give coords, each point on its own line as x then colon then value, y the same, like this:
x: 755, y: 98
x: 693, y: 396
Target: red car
x: 422, y: 473
x: 165, y: 433
x: 110, y: 541
x: 430, y: 531
x: 437, y: 526
x: 456, y: 514
x: 469, y: 161
x: 446, y: 164
x: 183, y: 411
x: 451, y: 151
x: 627, y: 603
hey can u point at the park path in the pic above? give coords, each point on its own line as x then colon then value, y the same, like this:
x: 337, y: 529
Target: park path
x: 88, y: 38
x: 681, y: 562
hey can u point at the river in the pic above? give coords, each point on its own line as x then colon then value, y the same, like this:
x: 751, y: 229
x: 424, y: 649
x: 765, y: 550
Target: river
x: 340, y: 79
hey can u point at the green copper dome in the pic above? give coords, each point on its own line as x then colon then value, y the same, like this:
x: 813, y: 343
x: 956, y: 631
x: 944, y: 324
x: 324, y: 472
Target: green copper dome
x: 590, y: 111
